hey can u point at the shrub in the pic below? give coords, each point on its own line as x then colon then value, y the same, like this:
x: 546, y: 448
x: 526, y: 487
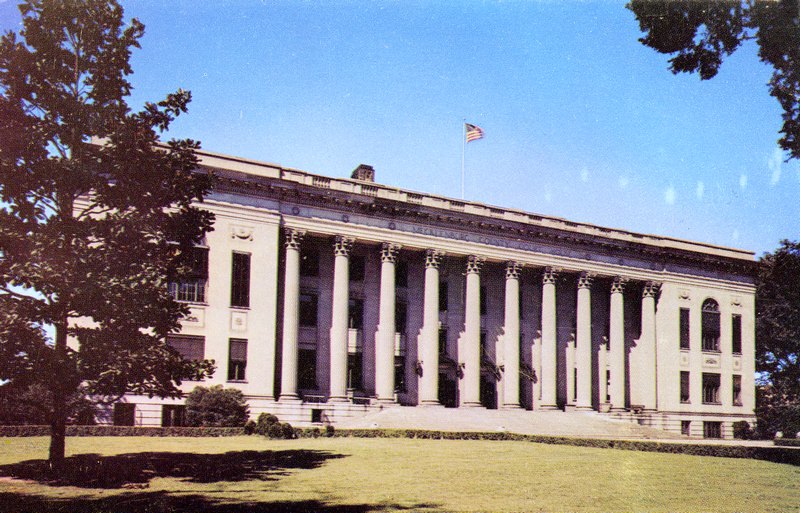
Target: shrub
x: 275, y: 431
x: 265, y: 420
x: 216, y: 406
x: 742, y: 430
x: 329, y: 430
x: 288, y: 431
x: 250, y: 427
x: 788, y: 442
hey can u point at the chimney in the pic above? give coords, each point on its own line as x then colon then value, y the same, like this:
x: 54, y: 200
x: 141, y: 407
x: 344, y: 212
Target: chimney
x: 364, y: 172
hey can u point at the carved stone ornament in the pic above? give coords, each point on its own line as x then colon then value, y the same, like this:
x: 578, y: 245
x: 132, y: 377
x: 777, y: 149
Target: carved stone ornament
x: 618, y: 285
x: 433, y: 258
x: 475, y: 264
x: 513, y: 270
x: 549, y: 276
x: 389, y: 251
x: 651, y: 289
x: 343, y: 245
x: 294, y: 238
x: 241, y: 232
x: 736, y: 301
x: 684, y: 294
x: 585, y: 280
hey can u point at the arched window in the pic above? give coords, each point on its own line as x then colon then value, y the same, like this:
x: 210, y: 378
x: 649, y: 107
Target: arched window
x: 710, y: 325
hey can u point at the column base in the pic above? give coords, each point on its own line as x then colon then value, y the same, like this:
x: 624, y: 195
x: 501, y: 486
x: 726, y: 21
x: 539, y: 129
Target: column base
x: 430, y: 404
x: 386, y: 401
x: 583, y: 408
x: 471, y: 405
x: 289, y: 398
x: 547, y: 407
x: 511, y: 407
x: 618, y: 409
x: 338, y: 399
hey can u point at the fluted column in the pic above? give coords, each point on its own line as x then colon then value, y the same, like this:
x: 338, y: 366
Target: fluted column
x: 511, y: 337
x: 429, y: 347
x: 339, y: 317
x: 384, y: 338
x: 583, y: 343
x: 472, y: 334
x: 647, y: 344
x: 549, y: 349
x: 291, y: 315
x: 616, y: 341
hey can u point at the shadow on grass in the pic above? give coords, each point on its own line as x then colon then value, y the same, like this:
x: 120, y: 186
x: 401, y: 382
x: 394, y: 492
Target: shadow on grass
x: 160, y: 502
x: 130, y: 470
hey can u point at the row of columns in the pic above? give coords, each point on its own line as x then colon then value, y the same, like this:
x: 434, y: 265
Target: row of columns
x: 470, y: 358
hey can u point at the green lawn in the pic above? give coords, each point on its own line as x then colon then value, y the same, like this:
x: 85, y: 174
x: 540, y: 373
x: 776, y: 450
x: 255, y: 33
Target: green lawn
x: 252, y: 474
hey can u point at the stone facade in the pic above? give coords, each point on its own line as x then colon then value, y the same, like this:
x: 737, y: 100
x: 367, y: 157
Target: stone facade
x: 361, y: 295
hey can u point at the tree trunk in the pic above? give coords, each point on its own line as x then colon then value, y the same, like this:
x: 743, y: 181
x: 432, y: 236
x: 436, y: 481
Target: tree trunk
x: 58, y: 421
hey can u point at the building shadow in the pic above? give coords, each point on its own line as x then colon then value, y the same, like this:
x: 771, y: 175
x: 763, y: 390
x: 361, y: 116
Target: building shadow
x: 163, y: 502
x: 135, y: 470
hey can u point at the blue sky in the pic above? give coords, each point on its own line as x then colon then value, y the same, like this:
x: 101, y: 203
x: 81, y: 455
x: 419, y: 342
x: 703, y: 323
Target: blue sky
x: 581, y: 120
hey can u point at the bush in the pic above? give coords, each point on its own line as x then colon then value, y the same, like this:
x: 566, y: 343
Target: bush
x: 250, y: 427
x: 329, y: 431
x: 275, y: 431
x: 288, y: 431
x: 787, y: 442
x: 742, y: 430
x: 216, y: 406
x: 265, y: 420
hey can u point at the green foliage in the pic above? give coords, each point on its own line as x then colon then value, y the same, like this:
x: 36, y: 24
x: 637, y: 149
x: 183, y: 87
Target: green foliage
x: 787, y: 442
x: 250, y: 427
x: 329, y: 430
x: 106, y: 430
x: 265, y: 420
x: 30, y: 405
x: 742, y: 430
x: 702, y: 34
x: 98, y: 215
x: 216, y: 406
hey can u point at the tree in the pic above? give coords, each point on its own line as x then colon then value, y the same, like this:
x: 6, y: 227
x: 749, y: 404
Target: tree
x: 778, y: 320
x: 96, y: 216
x: 216, y: 406
x: 701, y: 34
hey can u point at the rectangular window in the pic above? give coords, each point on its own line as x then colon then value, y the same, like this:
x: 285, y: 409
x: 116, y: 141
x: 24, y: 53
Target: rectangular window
x: 684, y: 328
x: 608, y: 386
x: 685, y: 387
x: 736, y: 333
x: 443, y: 341
x: 240, y: 280
x: 309, y: 262
x: 192, y: 288
x: 124, y: 414
x: 443, y: 296
x: 400, y: 374
x: 737, y: 390
x: 483, y: 300
x: 356, y: 314
x: 400, y: 317
x: 308, y: 310
x: 307, y: 369
x: 711, y: 331
x: 189, y: 346
x: 483, y: 345
x: 710, y: 388
x: 237, y: 359
x: 712, y: 429
x: 357, y: 266
x: 575, y: 384
x: 686, y: 427
x: 401, y: 273
x: 173, y: 415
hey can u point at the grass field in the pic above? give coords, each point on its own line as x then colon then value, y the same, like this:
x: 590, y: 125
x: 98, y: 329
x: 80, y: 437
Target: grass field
x: 252, y: 474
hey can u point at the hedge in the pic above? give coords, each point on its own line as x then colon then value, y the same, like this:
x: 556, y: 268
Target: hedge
x: 788, y: 442
x: 123, y: 431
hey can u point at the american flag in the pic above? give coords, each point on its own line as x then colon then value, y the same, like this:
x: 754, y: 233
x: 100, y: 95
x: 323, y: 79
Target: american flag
x: 474, y: 132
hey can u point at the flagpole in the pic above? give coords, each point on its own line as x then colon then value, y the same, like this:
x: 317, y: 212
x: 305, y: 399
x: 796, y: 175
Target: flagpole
x: 463, y: 151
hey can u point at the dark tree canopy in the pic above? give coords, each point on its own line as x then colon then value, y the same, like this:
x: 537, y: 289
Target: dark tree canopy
x: 778, y: 320
x: 701, y: 34
x: 97, y: 214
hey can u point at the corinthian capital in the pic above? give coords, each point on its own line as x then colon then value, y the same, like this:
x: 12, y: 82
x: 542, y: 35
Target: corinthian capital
x: 433, y: 258
x: 475, y: 264
x: 294, y: 238
x: 585, y: 280
x: 651, y: 289
x: 513, y: 269
x: 343, y: 245
x: 389, y: 251
x: 618, y: 285
x: 549, y: 276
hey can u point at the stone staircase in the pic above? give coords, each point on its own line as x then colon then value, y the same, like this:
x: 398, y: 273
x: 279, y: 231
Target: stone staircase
x: 556, y: 423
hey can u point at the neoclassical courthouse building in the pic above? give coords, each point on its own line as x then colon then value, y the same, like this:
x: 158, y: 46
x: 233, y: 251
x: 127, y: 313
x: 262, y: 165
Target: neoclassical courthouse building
x: 325, y: 298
